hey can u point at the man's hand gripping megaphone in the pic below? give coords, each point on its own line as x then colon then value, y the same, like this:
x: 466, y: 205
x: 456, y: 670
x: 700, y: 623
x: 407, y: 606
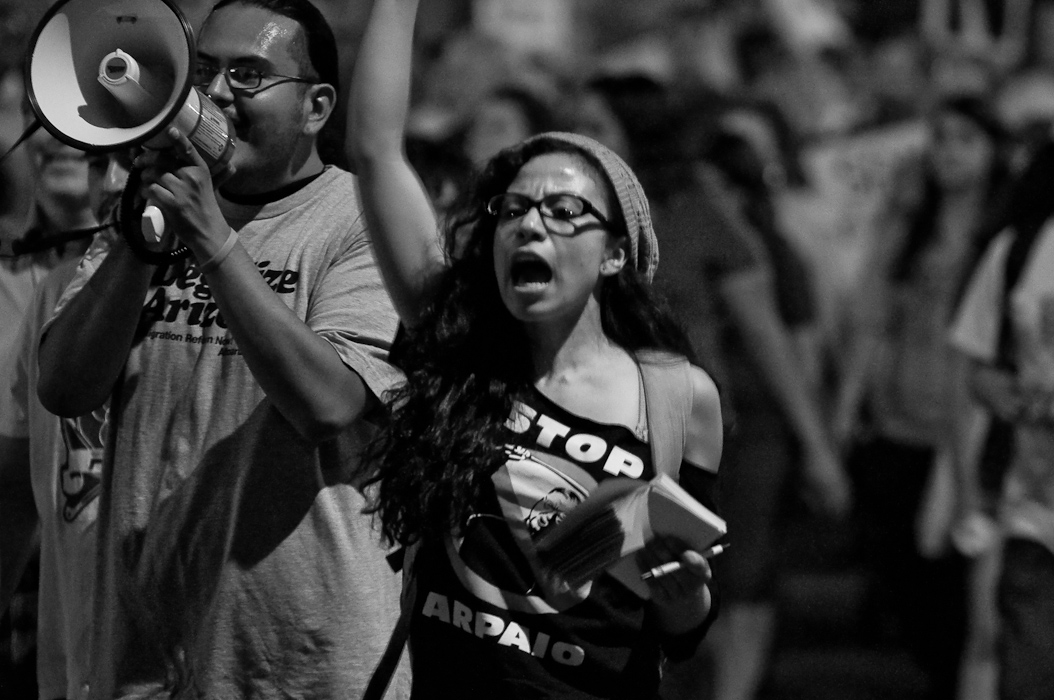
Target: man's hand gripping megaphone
x: 177, y: 182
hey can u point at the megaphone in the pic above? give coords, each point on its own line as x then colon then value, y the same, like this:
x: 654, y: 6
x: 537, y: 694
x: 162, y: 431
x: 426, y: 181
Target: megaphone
x: 106, y: 75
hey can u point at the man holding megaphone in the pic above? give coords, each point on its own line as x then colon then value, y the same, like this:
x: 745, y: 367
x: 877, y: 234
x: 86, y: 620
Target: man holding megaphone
x: 235, y: 561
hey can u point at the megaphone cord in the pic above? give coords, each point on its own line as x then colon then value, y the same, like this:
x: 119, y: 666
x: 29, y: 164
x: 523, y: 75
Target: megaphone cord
x: 36, y: 245
x: 30, y: 130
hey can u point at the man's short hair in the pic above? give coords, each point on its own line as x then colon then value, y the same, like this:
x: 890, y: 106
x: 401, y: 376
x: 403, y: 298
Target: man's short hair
x: 321, y: 50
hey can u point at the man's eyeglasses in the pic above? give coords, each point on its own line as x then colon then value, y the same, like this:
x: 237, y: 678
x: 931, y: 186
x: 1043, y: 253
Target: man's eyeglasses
x: 558, y: 209
x: 242, y: 78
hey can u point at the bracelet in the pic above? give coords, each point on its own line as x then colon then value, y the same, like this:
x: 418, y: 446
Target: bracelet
x: 221, y: 254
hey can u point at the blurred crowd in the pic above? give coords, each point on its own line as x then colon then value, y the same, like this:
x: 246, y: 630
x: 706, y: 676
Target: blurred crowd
x: 825, y: 177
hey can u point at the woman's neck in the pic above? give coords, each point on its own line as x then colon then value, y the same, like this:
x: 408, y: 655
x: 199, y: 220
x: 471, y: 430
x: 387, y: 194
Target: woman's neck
x: 587, y: 373
x: 561, y: 350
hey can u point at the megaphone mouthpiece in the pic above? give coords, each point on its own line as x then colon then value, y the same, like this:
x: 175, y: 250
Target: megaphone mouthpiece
x: 126, y: 80
x: 117, y: 67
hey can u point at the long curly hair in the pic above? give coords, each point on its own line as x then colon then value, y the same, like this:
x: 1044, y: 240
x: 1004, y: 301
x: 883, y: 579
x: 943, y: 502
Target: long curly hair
x: 468, y: 360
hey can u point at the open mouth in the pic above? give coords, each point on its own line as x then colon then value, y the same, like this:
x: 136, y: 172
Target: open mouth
x: 529, y: 272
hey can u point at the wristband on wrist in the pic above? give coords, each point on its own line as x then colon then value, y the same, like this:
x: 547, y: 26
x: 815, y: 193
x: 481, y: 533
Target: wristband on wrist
x: 221, y: 254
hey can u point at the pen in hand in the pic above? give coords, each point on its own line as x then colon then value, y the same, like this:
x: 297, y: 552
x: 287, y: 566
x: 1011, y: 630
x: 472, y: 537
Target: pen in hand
x: 670, y: 567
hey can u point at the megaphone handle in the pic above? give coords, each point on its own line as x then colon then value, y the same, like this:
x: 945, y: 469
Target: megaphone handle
x: 130, y: 212
x: 153, y: 224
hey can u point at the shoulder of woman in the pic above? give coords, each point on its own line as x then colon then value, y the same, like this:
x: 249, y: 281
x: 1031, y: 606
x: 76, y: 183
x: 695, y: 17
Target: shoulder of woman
x: 703, y: 441
x: 704, y: 390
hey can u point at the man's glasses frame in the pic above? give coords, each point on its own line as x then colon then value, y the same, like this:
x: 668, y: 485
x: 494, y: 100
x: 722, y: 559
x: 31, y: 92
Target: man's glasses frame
x: 250, y: 81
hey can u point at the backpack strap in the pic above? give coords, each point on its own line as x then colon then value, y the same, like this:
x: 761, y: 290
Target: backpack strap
x: 668, y: 397
x: 385, y: 669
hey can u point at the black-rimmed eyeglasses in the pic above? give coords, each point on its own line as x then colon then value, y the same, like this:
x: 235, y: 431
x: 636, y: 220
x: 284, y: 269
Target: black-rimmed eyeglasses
x: 559, y: 210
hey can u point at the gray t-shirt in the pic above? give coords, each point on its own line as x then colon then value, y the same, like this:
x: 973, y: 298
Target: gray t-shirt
x: 236, y: 561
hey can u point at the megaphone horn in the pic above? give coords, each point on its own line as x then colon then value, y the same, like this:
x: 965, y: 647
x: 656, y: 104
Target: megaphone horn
x: 105, y: 75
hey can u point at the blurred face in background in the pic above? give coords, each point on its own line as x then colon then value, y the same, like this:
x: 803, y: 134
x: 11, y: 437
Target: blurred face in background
x: 897, y: 73
x: 499, y: 122
x: 595, y: 119
x: 60, y: 171
x: 107, y: 175
x: 957, y: 70
x: 962, y: 152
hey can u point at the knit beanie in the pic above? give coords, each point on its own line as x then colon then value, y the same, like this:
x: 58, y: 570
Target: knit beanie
x: 644, y: 248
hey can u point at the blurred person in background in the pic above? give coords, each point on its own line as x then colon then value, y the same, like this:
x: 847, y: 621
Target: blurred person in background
x: 60, y: 203
x: 702, y: 40
x: 446, y: 153
x: 594, y: 115
x: 50, y: 478
x: 997, y: 31
x: 758, y: 156
x: 1024, y: 97
x: 814, y: 89
x: 895, y: 406
x: 632, y: 113
x: 1003, y: 328
x: 1038, y: 53
x: 16, y: 24
x: 770, y: 447
x: 895, y: 77
x: 1025, y: 105
x: 500, y: 116
x: 460, y: 70
x: 444, y: 169
x: 505, y: 116
x: 955, y: 69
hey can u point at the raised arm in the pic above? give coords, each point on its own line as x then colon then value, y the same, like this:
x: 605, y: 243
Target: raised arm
x: 401, y: 219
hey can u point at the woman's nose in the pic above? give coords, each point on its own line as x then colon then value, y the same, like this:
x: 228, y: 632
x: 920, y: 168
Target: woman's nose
x: 531, y: 224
